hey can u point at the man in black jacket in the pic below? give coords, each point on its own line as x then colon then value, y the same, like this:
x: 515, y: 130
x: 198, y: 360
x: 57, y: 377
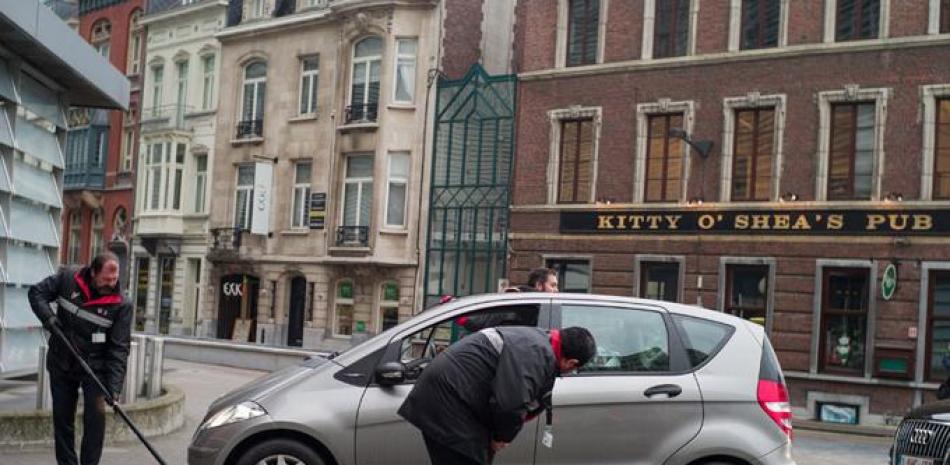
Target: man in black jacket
x: 98, y: 323
x: 474, y: 397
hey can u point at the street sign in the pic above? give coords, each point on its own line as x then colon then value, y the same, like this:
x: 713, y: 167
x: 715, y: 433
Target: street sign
x: 318, y: 210
x: 889, y: 282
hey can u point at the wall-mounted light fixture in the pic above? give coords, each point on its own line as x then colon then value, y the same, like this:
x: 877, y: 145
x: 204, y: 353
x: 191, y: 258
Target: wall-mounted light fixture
x: 894, y: 197
x: 789, y: 197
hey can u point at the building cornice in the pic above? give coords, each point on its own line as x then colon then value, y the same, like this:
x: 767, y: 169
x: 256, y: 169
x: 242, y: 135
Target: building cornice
x: 794, y: 51
x: 177, y: 12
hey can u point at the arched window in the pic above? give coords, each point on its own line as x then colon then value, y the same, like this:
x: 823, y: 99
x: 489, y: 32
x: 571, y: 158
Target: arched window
x: 95, y: 240
x: 252, y: 109
x: 135, y: 42
x: 75, y: 236
x: 101, y: 33
x: 364, y: 95
x: 120, y: 220
x: 343, y: 324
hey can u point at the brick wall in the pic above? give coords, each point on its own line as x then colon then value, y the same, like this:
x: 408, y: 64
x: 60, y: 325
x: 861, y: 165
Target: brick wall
x: 462, y: 36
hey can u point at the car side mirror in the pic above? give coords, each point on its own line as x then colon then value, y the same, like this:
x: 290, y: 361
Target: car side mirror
x: 390, y: 373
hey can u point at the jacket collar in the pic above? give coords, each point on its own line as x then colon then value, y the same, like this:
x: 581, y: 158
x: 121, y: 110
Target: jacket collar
x: 108, y: 299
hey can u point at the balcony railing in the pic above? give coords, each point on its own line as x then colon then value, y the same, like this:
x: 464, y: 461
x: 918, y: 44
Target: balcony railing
x: 250, y: 129
x: 352, y: 236
x: 166, y: 117
x: 225, y: 239
x: 365, y: 113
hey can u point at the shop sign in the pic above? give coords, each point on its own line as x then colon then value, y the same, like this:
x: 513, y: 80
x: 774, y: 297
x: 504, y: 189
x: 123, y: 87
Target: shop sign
x: 318, y: 210
x: 346, y: 290
x: 390, y: 292
x: 782, y: 222
x: 889, y: 282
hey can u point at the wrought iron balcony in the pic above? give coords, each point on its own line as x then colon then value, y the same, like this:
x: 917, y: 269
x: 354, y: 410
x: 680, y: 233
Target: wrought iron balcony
x: 365, y: 113
x: 250, y: 129
x: 226, y: 239
x: 352, y: 236
x: 163, y: 118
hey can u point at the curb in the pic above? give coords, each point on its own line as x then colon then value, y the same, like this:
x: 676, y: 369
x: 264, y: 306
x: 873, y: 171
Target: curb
x: 155, y: 417
x: 859, y: 430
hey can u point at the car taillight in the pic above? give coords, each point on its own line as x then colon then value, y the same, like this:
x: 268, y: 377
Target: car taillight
x: 773, y: 398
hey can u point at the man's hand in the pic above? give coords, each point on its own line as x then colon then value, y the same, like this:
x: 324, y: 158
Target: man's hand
x: 497, y: 446
x: 51, y: 322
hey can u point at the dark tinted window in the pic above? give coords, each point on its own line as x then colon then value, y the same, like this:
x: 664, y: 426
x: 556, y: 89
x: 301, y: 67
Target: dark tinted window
x: 701, y: 338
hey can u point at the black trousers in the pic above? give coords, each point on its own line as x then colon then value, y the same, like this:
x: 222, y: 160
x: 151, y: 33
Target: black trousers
x: 65, y: 389
x: 440, y: 454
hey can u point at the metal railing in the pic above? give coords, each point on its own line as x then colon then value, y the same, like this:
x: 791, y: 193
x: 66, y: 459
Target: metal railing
x: 250, y: 128
x: 165, y: 117
x: 365, y: 113
x: 225, y: 239
x: 352, y: 236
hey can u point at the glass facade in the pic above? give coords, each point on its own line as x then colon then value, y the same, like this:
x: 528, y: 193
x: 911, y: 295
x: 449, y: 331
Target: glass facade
x: 467, y: 244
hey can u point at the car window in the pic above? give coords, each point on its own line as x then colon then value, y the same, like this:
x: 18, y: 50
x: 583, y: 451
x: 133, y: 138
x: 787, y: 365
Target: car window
x: 420, y: 347
x: 701, y: 338
x: 628, y: 340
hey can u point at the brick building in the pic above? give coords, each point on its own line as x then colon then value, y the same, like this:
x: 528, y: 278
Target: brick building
x: 102, y: 145
x: 830, y: 161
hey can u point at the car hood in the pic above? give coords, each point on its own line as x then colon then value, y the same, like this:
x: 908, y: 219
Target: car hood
x: 937, y: 411
x: 267, y: 384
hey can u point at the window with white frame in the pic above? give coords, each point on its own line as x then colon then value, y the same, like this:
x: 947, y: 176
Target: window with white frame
x: 396, y: 193
x: 177, y: 169
x: 847, y: 20
x: 935, y: 178
x: 95, y: 239
x: 671, y: 33
x: 128, y: 148
x: 201, y: 182
x: 182, y: 70
x: 663, y: 165
x: 757, y: 24
x: 358, y: 190
x: 343, y: 314
x: 404, y: 87
x: 101, y: 35
x: 158, y: 75
x: 752, y: 147
x: 135, y: 43
x: 75, y: 237
x: 364, y: 91
x: 572, y: 160
x: 99, y: 156
x: 300, y: 213
x: 153, y: 175
x: 252, y: 109
x: 207, y: 82
x: 583, y: 26
x: 851, y: 143
x: 309, y: 78
x: 243, y: 196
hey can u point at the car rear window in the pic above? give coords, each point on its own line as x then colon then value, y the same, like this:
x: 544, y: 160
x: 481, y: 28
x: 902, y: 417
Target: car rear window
x: 701, y: 338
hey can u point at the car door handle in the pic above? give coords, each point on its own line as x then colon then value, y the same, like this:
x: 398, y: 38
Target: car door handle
x: 671, y: 390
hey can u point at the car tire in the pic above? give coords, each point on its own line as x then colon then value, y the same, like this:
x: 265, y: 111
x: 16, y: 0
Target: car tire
x: 282, y: 452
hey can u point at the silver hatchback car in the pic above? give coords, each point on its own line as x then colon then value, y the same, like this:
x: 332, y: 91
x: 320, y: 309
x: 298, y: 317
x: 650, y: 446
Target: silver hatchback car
x: 671, y: 384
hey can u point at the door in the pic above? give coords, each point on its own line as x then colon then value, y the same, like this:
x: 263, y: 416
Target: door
x: 384, y: 438
x: 632, y: 403
x: 298, y: 302
x: 237, y: 307
x: 166, y: 289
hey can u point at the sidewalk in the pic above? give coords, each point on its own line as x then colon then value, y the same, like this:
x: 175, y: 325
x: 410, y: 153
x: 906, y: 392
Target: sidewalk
x: 202, y: 385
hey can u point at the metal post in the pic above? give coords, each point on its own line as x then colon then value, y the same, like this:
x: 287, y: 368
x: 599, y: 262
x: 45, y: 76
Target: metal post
x: 44, y: 399
x: 130, y: 392
x: 155, y: 367
x: 139, y: 361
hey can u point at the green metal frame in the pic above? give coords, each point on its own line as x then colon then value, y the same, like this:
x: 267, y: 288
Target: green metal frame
x: 470, y: 184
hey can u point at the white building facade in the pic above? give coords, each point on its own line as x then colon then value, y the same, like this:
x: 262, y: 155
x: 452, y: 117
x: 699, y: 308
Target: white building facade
x: 179, y: 102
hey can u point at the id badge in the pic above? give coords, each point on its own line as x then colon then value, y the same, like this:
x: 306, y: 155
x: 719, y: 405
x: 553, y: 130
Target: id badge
x: 98, y: 338
x: 547, y: 437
